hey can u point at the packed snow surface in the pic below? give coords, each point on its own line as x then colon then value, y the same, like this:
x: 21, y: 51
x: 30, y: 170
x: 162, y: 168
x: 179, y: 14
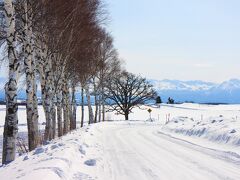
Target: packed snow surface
x: 187, y: 141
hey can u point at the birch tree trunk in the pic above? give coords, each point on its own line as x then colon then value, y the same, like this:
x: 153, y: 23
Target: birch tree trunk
x: 69, y: 107
x: 54, y: 122
x: 91, y: 118
x: 74, y: 109
x: 59, y: 114
x: 40, y: 67
x: 59, y: 83
x: 53, y: 110
x: 96, y: 109
x: 11, y: 119
x: 103, y: 104
x: 65, y: 108
x: 59, y: 110
x: 100, y: 108
x: 35, y: 107
x: 48, y: 91
x: 32, y: 112
x: 100, y: 101
x: 95, y: 100
x: 82, y: 105
x: 48, y: 101
x: 103, y: 112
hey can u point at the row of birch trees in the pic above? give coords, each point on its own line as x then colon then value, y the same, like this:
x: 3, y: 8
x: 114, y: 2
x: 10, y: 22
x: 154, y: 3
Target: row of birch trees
x: 60, y: 47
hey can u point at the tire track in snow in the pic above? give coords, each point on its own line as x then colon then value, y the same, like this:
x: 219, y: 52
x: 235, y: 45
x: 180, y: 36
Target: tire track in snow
x: 229, y: 156
x: 139, y: 152
x: 197, y: 157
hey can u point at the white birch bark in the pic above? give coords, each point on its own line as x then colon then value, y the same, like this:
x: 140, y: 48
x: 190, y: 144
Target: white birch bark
x: 29, y: 65
x: 11, y: 119
x: 74, y: 109
x: 91, y: 117
x: 54, y: 122
x: 53, y: 109
x: 103, y: 103
x: 41, y: 56
x: 41, y: 66
x: 59, y: 112
x: 47, y: 90
x: 103, y: 112
x: 82, y: 106
x: 59, y: 83
x: 65, y: 108
x: 44, y: 64
x: 69, y: 106
x: 95, y: 100
x: 59, y: 96
x: 62, y: 94
x: 100, y: 100
x: 100, y: 108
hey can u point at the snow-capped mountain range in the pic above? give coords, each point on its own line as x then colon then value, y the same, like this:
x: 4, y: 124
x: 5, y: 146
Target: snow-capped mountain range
x: 199, y: 91
x: 182, y: 91
x: 182, y: 85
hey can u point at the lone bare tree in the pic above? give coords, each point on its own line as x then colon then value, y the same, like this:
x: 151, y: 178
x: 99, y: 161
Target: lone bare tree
x: 126, y: 91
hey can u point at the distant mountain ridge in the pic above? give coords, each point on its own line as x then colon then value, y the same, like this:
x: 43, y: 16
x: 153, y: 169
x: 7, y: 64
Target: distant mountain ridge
x: 182, y: 85
x: 181, y: 91
x: 199, y: 91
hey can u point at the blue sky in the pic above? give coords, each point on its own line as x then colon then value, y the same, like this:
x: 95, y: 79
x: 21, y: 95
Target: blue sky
x: 178, y: 39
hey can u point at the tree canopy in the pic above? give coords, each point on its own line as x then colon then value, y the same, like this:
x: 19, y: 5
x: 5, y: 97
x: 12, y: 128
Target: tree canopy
x: 126, y: 91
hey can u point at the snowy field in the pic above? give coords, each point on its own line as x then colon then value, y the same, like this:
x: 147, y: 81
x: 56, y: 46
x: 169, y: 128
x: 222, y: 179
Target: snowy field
x: 193, y: 141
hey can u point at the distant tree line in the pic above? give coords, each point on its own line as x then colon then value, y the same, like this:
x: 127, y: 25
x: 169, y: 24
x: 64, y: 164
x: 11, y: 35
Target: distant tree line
x: 158, y: 100
x: 170, y: 100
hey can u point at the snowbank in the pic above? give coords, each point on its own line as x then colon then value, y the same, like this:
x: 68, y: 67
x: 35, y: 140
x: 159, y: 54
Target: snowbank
x: 60, y: 159
x: 124, y: 150
x: 216, y: 129
x: 79, y: 155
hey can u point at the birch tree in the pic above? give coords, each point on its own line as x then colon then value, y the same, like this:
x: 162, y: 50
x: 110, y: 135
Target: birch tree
x: 11, y: 119
x: 62, y: 43
x: 108, y: 65
x: 30, y: 66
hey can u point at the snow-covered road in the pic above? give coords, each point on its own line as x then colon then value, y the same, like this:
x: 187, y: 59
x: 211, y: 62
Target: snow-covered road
x: 140, y: 151
x: 124, y: 151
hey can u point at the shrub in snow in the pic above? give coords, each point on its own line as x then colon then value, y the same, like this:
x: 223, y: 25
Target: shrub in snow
x: 38, y: 150
x: 233, y: 131
x: 90, y: 162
